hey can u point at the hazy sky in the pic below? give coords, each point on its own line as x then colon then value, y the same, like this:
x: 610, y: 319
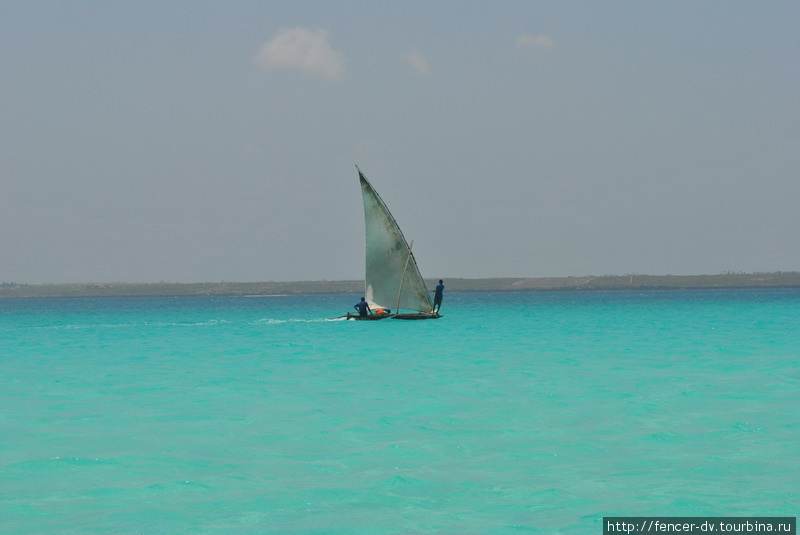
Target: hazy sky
x: 207, y: 141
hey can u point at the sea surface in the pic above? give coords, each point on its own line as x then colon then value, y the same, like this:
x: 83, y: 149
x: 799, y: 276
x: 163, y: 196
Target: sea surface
x: 514, y: 413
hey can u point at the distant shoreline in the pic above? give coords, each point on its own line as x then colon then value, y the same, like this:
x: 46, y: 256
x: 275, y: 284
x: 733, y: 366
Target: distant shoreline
x: 504, y: 284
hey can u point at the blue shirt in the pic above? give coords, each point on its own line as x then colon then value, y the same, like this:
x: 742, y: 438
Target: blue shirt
x: 439, y: 290
x: 362, y: 307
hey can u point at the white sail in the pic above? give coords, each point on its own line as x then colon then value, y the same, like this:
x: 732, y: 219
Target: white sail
x: 392, y: 272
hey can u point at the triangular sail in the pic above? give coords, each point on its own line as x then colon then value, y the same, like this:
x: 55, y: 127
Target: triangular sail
x: 391, y: 268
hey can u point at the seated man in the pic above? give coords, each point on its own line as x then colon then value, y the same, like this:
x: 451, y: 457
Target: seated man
x: 362, y: 307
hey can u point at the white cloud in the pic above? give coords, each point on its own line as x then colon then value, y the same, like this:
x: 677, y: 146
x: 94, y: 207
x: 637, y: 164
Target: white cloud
x: 539, y: 41
x: 305, y: 50
x: 417, y: 62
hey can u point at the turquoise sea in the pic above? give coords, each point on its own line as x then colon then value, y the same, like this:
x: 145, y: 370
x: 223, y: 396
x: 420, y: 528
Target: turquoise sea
x: 515, y: 413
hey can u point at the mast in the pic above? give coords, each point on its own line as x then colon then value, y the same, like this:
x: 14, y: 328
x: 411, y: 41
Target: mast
x: 403, y: 278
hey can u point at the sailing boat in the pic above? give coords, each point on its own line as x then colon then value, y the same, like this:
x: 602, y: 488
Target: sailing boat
x: 393, y: 281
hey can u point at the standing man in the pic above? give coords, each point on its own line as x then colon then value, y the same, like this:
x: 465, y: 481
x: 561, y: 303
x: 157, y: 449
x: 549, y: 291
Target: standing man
x: 437, y: 297
x: 363, y: 308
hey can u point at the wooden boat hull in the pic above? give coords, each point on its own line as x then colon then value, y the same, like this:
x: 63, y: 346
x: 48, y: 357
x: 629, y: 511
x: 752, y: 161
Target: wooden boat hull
x: 417, y: 316
x: 408, y: 316
x: 369, y: 317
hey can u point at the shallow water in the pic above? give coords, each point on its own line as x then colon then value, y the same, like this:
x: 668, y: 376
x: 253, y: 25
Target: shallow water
x: 515, y: 413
